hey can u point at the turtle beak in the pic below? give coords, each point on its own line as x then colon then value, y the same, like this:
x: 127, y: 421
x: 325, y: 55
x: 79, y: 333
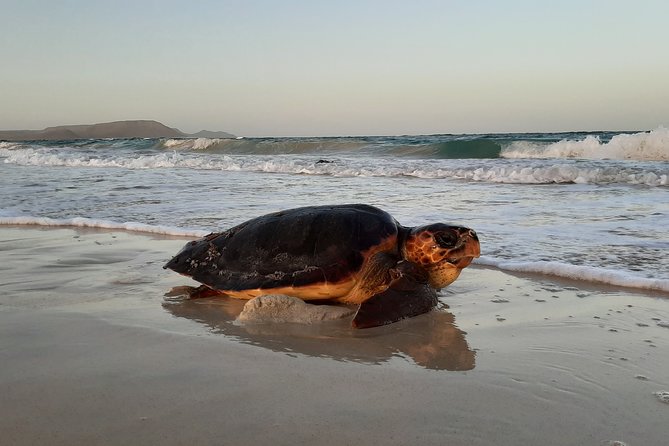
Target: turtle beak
x: 466, y: 249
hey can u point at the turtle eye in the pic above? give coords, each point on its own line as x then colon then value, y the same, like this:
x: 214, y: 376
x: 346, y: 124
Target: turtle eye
x: 446, y: 239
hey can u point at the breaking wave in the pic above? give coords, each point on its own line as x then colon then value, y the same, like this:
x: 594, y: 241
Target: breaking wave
x: 648, y: 146
x: 641, y: 146
x: 578, y: 158
x: 409, y: 147
x: 527, y: 172
x: 644, y: 146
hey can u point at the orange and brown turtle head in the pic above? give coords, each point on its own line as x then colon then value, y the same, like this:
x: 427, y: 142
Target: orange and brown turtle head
x: 442, y: 250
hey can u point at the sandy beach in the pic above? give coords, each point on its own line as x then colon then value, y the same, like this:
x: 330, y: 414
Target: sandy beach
x: 93, y: 352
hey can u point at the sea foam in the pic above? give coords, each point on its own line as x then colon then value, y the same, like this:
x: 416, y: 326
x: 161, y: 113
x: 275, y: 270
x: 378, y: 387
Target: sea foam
x: 9, y: 145
x: 83, y: 222
x: 578, y: 272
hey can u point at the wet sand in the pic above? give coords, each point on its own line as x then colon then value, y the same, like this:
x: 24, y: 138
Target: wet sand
x: 93, y: 352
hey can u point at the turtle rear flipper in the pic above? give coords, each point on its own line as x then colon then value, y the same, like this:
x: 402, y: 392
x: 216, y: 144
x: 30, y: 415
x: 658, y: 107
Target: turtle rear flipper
x: 409, y: 294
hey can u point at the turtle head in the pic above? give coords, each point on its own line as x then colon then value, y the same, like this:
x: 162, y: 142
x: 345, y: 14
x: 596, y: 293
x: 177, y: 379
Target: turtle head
x: 442, y: 250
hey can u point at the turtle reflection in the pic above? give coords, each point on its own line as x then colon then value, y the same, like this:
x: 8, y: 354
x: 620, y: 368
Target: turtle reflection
x: 431, y: 341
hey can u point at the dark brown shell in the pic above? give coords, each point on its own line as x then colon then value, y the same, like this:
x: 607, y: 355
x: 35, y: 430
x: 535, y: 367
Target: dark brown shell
x: 294, y: 248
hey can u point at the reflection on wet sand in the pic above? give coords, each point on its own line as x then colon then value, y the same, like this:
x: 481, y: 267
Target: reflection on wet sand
x: 431, y: 340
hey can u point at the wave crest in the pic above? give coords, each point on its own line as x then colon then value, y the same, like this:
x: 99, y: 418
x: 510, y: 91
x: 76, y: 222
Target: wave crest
x: 9, y: 145
x: 192, y: 144
x: 643, y: 146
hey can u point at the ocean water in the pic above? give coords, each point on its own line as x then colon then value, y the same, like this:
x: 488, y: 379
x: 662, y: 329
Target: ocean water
x: 592, y: 207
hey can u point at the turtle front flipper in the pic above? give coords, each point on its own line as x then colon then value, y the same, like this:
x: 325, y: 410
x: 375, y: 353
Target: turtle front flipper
x: 408, y: 295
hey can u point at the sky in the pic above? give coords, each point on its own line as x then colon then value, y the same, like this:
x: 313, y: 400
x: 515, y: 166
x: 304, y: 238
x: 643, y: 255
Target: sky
x: 334, y: 68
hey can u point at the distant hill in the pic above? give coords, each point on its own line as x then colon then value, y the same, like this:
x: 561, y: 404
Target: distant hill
x: 116, y: 129
x: 210, y: 134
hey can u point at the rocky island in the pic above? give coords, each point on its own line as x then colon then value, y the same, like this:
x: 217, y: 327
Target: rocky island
x: 116, y: 129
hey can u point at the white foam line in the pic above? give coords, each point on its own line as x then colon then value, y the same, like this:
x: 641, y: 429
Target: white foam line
x: 103, y: 224
x: 578, y: 272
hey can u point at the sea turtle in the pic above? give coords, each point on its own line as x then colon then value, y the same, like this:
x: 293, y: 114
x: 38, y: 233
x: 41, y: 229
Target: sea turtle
x: 351, y: 254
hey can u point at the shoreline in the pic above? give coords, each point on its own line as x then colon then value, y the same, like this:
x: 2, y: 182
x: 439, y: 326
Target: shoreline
x: 93, y: 352
x: 580, y: 275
